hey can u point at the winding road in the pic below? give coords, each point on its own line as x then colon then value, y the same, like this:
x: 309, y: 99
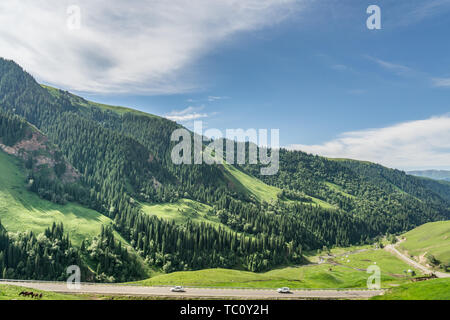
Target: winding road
x: 129, y: 290
x: 392, y: 249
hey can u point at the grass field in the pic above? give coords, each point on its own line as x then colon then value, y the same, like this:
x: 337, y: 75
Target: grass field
x: 250, y: 185
x: 262, y: 192
x: 436, y: 289
x: 313, y: 255
x: 21, y: 210
x: 182, y: 211
x: 388, y: 263
x: 336, y: 188
x: 432, y: 238
x: 8, y: 292
x: 349, y: 273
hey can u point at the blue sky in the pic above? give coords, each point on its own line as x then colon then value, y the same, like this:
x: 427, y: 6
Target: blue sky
x: 309, y: 68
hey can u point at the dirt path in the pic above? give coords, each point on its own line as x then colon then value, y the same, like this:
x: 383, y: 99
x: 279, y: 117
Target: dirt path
x: 392, y: 249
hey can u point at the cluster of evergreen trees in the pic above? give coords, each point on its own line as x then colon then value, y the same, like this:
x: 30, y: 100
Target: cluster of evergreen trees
x: 47, y: 256
x: 194, y: 246
x: 12, y: 129
x: 113, y: 262
x: 42, y: 257
x: 385, y: 200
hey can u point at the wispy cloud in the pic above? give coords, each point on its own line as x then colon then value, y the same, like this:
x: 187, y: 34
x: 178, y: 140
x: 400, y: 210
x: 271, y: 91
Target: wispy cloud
x: 216, y: 98
x: 189, y: 114
x: 407, y: 72
x: 340, y: 67
x: 441, y: 82
x: 127, y: 46
x: 396, y: 68
x: 417, y: 144
x: 414, y: 11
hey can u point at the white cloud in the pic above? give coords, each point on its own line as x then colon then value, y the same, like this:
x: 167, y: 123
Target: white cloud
x: 126, y: 46
x: 422, y: 144
x: 189, y: 114
x: 216, y: 98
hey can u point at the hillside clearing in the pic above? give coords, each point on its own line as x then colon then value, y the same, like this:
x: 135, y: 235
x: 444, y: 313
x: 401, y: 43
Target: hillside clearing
x: 181, y: 211
x: 22, y: 210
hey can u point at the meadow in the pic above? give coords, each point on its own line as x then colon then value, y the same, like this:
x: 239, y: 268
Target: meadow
x: 22, y: 210
x: 431, y: 238
x: 259, y: 190
x: 8, y: 292
x: 181, y: 211
x: 342, y: 270
x: 436, y: 289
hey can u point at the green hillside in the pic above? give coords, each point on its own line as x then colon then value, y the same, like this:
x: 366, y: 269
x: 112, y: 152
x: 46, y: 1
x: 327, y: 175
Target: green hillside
x: 122, y: 158
x: 181, y: 211
x: 348, y: 270
x: 429, y: 239
x: 436, y: 289
x: 22, y: 210
x: 81, y: 102
x: 250, y: 185
x: 256, y: 188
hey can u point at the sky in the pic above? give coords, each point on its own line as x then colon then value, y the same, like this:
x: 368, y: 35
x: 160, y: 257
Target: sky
x: 310, y: 68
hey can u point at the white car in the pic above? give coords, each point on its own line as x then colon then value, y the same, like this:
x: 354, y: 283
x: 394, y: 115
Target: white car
x: 284, y: 290
x: 177, y: 289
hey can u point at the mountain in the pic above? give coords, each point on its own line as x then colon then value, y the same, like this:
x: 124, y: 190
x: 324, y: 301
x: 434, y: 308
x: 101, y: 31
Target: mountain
x: 432, y: 174
x: 155, y: 214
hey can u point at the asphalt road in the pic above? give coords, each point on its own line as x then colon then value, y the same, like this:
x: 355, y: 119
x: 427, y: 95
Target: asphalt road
x: 111, y: 289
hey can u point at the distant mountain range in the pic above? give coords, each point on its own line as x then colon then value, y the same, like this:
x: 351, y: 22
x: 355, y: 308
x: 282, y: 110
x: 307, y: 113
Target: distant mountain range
x: 432, y: 174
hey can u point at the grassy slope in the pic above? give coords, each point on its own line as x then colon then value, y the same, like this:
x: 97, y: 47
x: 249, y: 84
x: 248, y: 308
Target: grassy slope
x: 181, y: 211
x: 21, y: 210
x: 185, y: 209
x: 8, y: 292
x: 313, y: 276
x: 255, y: 187
x: 250, y: 185
x: 436, y: 289
x: 338, y: 189
x: 433, y: 238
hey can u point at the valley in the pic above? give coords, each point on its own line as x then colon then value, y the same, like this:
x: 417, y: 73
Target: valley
x: 344, y: 271
x: 128, y: 214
